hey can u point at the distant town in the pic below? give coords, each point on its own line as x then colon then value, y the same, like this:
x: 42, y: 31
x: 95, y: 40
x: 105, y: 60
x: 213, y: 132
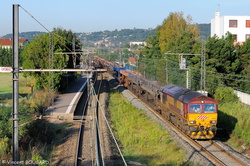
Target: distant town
x: 112, y: 39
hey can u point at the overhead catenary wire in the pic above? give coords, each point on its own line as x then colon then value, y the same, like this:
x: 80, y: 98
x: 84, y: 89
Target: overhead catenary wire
x: 233, y: 75
x: 55, y: 35
x: 210, y: 74
x: 198, y: 69
x: 35, y: 19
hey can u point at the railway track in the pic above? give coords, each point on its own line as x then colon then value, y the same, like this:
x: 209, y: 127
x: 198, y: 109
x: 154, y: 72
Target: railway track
x: 219, y: 153
x: 88, y: 150
x: 96, y: 144
x: 209, y: 149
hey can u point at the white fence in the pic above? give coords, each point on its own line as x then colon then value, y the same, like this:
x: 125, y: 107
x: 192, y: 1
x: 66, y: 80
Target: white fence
x: 244, y: 97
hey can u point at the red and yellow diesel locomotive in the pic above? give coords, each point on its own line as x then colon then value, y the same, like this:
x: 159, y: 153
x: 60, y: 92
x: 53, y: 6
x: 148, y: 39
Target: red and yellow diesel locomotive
x: 192, y: 112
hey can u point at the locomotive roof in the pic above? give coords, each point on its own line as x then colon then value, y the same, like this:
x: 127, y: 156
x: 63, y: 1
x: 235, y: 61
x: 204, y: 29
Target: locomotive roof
x: 180, y: 93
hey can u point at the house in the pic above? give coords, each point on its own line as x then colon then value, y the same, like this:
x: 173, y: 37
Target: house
x: 132, y: 61
x: 8, y: 42
x: 239, y: 26
x: 137, y: 43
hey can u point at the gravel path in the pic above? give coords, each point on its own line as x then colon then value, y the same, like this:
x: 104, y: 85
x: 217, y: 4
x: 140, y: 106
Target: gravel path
x: 64, y: 154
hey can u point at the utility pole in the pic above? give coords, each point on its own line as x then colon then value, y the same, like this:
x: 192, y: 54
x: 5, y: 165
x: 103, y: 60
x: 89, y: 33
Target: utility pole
x: 74, y: 50
x: 166, y: 71
x: 51, y: 61
x: 15, y: 82
x: 203, y: 68
x: 182, y: 63
x: 15, y: 79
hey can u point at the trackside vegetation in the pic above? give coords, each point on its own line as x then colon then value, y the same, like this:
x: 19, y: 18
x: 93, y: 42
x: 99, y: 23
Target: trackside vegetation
x: 37, y: 138
x: 234, y: 119
x: 142, y: 139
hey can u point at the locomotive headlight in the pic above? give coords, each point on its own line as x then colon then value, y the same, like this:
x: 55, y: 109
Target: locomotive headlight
x: 192, y: 122
x: 213, y: 121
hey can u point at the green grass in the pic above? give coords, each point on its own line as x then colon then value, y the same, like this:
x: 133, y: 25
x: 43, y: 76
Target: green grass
x: 235, y: 118
x: 142, y: 139
x: 5, y: 83
x: 6, y: 86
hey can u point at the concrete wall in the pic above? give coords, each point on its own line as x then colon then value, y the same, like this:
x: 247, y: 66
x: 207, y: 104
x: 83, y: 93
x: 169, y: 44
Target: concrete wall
x: 244, y: 97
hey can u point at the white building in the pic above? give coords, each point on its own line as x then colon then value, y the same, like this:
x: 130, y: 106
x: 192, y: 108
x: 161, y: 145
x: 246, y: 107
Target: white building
x: 239, y: 26
x: 137, y: 43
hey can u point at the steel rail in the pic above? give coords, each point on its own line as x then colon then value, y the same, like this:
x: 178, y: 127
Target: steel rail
x: 98, y: 151
x: 81, y: 130
x: 228, y: 154
x: 191, y: 141
x: 98, y: 147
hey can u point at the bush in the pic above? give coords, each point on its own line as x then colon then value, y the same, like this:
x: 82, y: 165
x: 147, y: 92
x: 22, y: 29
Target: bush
x: 4, y: 146
x: 225, y: 95
x: 235, y: 119
x: 39, y: 160
x: 41, y: 100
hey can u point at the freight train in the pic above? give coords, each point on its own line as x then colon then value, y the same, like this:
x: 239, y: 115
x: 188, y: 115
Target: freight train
x: 192, y: 112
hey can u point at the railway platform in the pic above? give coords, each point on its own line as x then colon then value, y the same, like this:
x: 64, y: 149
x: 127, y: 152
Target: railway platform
x: 64, y: 106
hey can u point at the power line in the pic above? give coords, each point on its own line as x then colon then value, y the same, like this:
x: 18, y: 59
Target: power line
x: 229, y: 74
x: 35, y: 19
x: 53, y: 34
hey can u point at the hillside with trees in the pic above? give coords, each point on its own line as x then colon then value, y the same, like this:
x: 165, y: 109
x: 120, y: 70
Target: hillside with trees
x: 115, y: 38
x: 25, y: 35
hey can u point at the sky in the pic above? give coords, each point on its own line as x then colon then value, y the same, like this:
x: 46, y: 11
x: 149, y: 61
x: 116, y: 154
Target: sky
x: 100, y: 15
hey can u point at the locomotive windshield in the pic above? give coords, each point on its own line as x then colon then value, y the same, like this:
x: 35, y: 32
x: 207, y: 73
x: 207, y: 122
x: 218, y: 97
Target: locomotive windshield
x: 209, y: 108
x: 195, y: 108
x: 198, y: 108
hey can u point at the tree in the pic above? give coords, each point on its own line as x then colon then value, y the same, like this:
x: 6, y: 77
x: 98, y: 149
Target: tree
x: 222, y: 58
x: 5, y: 57
x: 37, y: 54
x: 243, y: 53
x: 173, y: 28
x: 152, y: 48
x: 175, y: 35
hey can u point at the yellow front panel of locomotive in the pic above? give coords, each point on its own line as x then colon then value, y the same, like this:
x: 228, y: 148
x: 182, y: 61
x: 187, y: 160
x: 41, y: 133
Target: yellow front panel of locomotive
x: 202, y: 119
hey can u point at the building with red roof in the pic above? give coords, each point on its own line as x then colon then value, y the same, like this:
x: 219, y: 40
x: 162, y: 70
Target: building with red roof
x: 132, y: 61
x: 8, y: 42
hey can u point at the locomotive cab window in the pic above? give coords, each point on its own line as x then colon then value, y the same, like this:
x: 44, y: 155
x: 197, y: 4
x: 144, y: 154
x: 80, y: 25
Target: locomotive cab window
x: 195, y: 108
x: 209, y: 108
